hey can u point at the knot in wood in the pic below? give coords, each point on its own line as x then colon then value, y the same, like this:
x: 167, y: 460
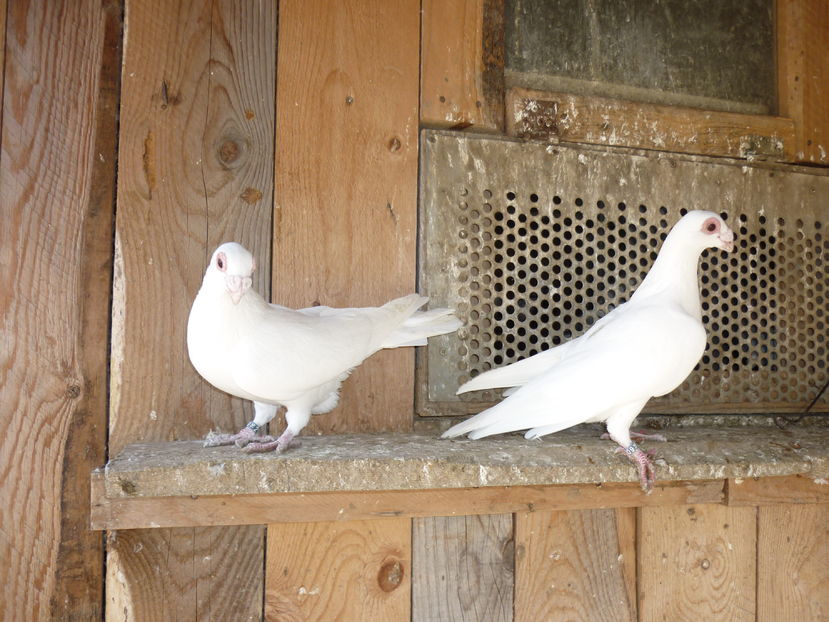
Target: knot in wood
x: 229, y: 151
x: 394, y: 144
x: 73, y: 391
x: 390, y: 575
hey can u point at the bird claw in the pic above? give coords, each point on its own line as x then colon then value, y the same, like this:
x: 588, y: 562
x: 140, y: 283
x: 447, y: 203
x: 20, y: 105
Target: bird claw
x: 642, y: 460
x: 240, y: 439
x: 277, y: 446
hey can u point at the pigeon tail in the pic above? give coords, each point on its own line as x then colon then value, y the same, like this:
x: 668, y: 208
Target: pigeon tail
x: 420, y: 325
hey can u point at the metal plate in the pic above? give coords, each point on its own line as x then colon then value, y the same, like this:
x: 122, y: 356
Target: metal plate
x: 532, y: 243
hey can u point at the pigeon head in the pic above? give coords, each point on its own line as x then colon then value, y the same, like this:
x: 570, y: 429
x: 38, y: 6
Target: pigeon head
x: 705, y: 229
x: 232, y: 266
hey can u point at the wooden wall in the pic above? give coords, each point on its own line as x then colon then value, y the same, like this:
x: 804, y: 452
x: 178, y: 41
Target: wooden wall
x: 303, y: 146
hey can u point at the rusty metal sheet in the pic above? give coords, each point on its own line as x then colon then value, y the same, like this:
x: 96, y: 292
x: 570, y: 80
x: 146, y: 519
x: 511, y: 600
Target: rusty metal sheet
x: 531, y: 243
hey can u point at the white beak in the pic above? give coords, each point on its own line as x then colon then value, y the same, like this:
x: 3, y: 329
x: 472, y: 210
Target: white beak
x: 726, y: 238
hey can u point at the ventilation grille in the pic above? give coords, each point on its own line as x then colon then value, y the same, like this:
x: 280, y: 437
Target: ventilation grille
x: 532, y: 244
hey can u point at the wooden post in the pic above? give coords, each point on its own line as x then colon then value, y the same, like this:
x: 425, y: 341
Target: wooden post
x: 803, y: 74
x: 57, y: 160
x: 462, y: 64
x: 195, y: 169
x: 346, y: 181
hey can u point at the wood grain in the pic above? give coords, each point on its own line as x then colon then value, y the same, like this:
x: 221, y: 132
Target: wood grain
x: 697, y: 563
x: 346, y: 181
x: 253, y: 509
x: 462, y: 64
x: 195, y: 169
x: 803, y: 74
x: 462, y: 568
x: 603, y: 121
x: 572, y: 566
x: 791, y: 489
x: 358, y: 570
x: 792, y: 567
x: 54, y: 290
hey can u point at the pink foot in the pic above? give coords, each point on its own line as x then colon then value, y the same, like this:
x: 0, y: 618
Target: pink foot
x: 642, y: 460
x: 277, y: 446
x: 240, y: 439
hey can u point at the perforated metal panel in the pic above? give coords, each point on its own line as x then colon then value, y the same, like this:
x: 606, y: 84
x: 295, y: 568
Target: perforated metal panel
x: 532, y: 243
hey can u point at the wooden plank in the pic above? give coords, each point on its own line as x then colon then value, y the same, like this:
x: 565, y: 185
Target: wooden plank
x: 573, y: 566
x: 603, y: 121
x: 359, y: 570
x: 803, y: 75
x: 792, y: 568
x: 3, y: 8
x: 56, y: 120
x: 697, y: 563
x: 195, y: 165
x: 346, y: 181
x: 462, y: 64
x: 252, y: 509
x: 792, y: 489
x: 462, y: 568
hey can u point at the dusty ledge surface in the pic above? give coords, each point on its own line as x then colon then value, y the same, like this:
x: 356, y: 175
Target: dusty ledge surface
x: 362, y: 462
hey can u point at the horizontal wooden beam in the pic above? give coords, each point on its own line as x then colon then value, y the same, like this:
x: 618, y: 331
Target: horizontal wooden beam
x: 253, y: 509
x: 792, y: 489
x: 602, y: 121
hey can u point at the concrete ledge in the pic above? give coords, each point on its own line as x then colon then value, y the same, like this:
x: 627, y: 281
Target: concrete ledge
x: 357, y: 463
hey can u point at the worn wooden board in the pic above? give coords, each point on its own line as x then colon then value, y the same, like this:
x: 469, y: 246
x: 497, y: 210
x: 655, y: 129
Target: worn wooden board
x: 463, y: 568
x: 357, y: 570
x: 257, y: 509
x: 603, y: 121
x: 575, y: 565
x: 803, y: 75
x: 56, y: 182
x: 792, y: 568
x: 346, y: 180
x: 793, y: 489
x: 462, y: 64
x: 195, y: 169
x: 697, y: 563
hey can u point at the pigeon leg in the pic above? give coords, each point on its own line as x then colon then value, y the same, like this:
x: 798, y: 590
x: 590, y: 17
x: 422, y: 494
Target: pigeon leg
x: 296, y: 418
x: 262, y: 414
x: 642, y: 460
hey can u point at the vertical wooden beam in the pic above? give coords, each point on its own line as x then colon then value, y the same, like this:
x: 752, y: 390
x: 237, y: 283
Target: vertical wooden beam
x: 346, y: 180
x: 462, y: 64
x: 575, y: 565
x: 196, y: 153
x: 803, y: 74
x: 697, y: 562
x: 792, y: 566
x: 356, y: 570
x: 56, y: 183
x: 463, y: 568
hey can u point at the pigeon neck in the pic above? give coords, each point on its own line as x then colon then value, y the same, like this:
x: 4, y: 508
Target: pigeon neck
x: 675, y: 273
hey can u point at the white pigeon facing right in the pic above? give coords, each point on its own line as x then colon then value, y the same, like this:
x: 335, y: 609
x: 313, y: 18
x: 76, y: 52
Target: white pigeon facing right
x: 642, y: 349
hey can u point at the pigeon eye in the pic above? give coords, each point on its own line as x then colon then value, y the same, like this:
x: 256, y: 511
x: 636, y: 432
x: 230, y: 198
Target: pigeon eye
x: 221, y: 262
x: 711, y: 226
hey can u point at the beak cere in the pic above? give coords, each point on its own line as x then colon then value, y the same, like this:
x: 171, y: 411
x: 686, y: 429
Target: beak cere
x: 237, y: 286
x: 726, y: 236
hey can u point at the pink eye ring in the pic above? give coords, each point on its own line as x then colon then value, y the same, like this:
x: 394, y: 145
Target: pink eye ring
x: 221, y: 262
x: 711, y: 226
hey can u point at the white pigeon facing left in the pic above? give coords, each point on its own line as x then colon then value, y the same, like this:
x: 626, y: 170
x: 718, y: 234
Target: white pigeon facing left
x: 278, y: 356
x: 642, y: 349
